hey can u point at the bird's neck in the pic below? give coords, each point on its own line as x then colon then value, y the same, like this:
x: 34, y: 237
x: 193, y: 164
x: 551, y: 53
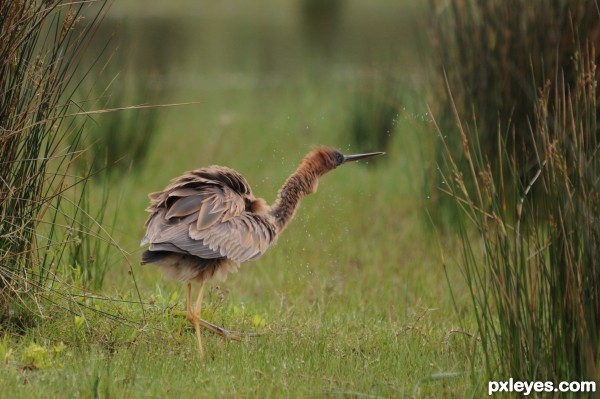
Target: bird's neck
x: 299, y: 184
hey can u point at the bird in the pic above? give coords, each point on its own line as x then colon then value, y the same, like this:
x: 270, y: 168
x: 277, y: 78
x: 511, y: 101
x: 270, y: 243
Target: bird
x: 207, y: 222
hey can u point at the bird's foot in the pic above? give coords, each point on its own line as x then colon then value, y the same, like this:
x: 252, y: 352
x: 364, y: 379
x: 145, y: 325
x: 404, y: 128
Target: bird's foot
x: 226, y: 334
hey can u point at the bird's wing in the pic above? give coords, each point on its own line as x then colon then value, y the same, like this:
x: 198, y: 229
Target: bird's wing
x: 203, y: 213
x: 241, y: 238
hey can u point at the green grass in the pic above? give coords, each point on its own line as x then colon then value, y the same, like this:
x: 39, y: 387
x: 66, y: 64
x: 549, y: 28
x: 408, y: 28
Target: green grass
x: 353, y: 299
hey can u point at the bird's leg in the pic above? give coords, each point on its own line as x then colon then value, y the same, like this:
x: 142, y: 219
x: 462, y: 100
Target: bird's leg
x: 191, y: 315
x: 198, y: 306
x: 227, y: 334
x: 196, y: 317
x: 209, y: 326
x: 188, y: 302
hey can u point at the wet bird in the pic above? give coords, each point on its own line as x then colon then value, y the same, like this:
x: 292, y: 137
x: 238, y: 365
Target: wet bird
x: 207, y: 221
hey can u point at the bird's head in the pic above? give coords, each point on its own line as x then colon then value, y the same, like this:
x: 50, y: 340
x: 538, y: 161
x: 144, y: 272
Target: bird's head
x: 323, y: 159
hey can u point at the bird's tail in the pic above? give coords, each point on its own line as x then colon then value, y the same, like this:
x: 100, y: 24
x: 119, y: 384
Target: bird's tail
x: 153, y: 256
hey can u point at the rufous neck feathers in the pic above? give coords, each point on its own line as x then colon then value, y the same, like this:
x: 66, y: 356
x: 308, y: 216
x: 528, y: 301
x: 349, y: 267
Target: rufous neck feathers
x: 302, y: 182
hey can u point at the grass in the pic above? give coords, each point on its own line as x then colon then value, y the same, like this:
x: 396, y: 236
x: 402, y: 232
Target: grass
x: 304, y: 355
x: 353, y: 298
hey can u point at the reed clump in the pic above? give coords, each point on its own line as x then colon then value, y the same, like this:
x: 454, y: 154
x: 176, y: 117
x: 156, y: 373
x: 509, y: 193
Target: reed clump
x: 518, y: 154
x: 532, y: 262
x: 40, y: 48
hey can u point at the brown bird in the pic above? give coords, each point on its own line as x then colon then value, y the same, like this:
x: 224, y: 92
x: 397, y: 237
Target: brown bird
x: 207, y: 221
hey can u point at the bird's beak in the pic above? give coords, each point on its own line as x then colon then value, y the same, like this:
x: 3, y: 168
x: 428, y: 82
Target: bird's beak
x: 356, y: 157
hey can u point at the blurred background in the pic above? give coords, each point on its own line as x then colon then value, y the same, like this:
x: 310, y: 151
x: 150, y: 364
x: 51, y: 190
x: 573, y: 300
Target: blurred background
x: 286, y: 65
